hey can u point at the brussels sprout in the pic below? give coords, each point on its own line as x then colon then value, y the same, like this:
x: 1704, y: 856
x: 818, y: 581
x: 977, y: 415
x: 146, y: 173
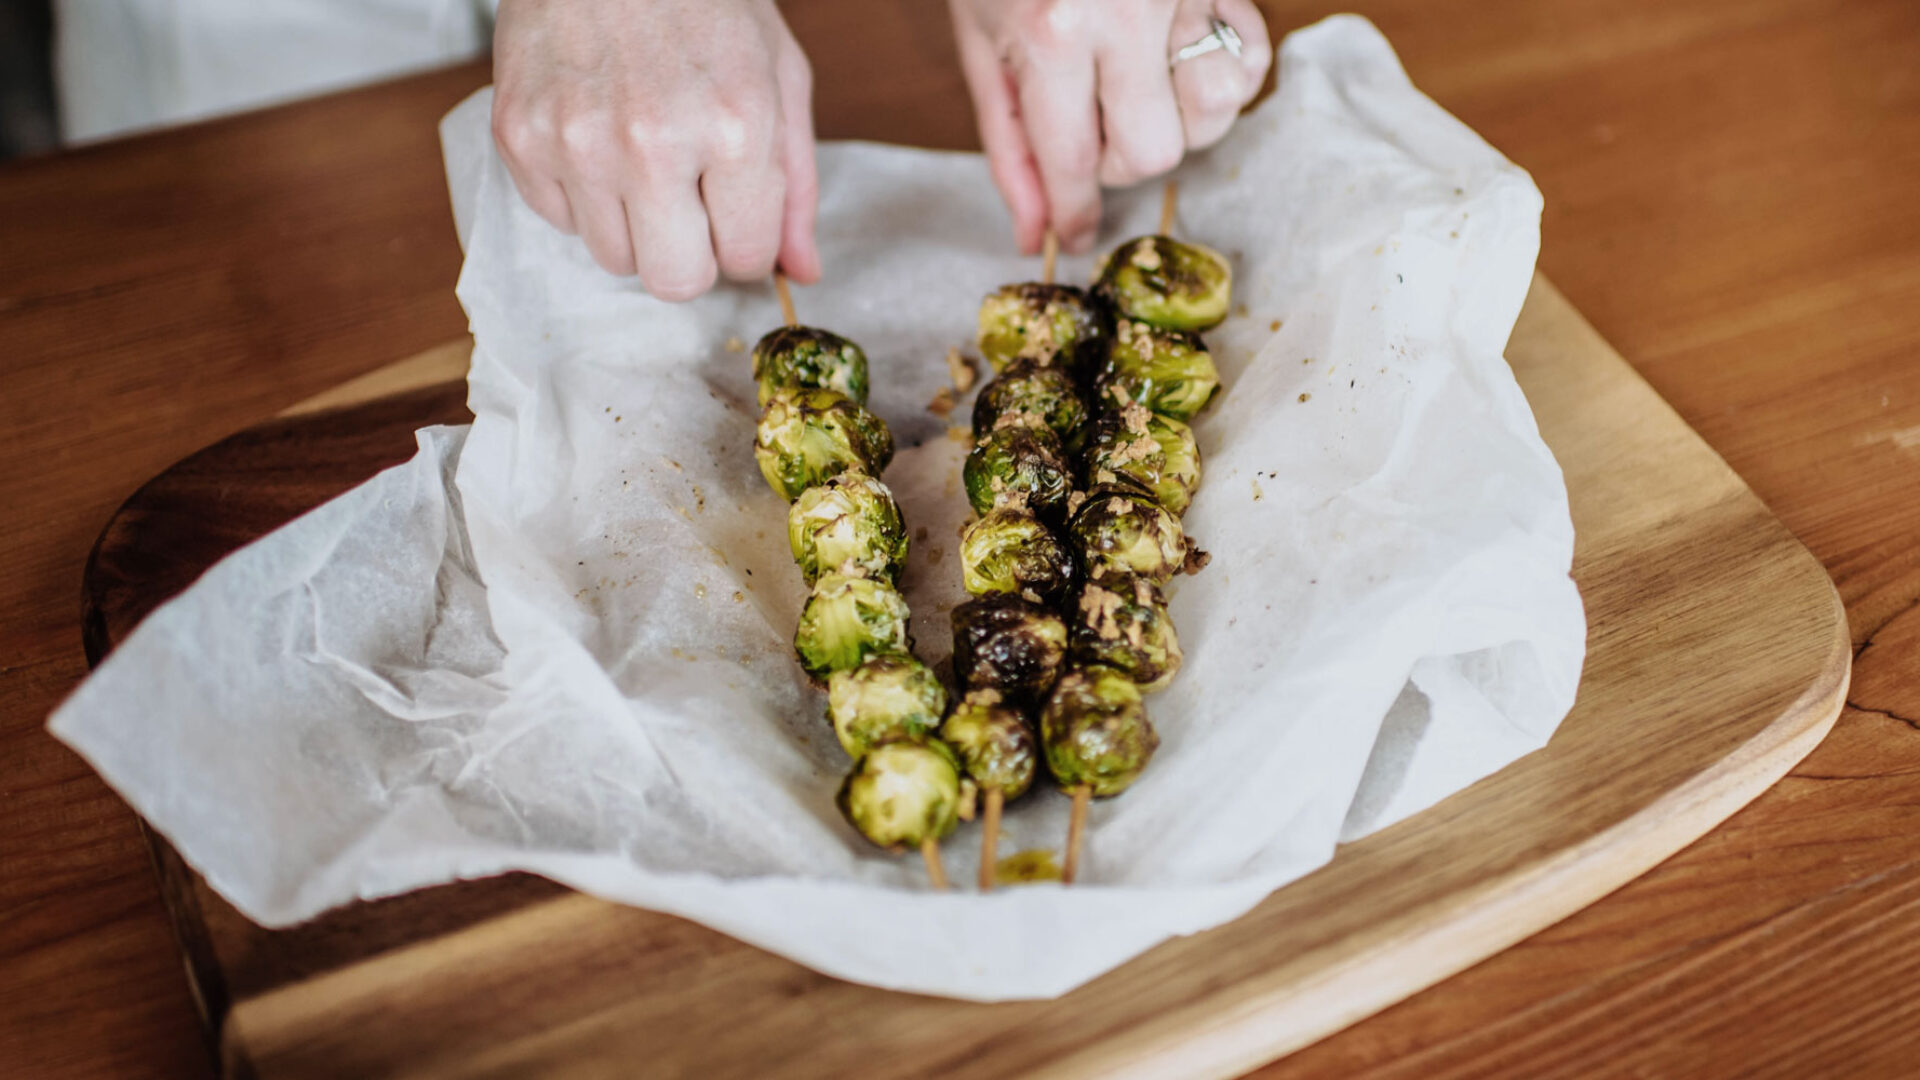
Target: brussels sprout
x: 903, y: 792
x: 848, y: 525
x: 1163, y: 282
x: 887, y: 697
x: 803, y: 358
x: 1123, y: 623
x: 1156, y: 451
x: 848, y: 619
x: 1010, y: 551
x: 993, y: 742
x: 1031, y: 394
x: 1169, y: 372
x: 1119, y: 532
x: 1095, y: 731
x: 1004, y: 643
x: 1052, y: 324
x: 808, y: 436
x: 1020, y: 465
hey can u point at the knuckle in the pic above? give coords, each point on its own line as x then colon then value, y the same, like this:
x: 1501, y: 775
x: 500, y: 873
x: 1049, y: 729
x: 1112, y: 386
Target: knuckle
x: 1051, y: 25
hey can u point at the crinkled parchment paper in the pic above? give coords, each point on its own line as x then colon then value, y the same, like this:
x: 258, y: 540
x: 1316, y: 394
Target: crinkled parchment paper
x: 558, y: 641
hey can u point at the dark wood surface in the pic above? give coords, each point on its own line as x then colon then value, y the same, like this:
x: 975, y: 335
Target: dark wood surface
x: 1731, y: 199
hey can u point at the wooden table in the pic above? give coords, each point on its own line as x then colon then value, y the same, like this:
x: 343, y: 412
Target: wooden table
x: 1731, y: 190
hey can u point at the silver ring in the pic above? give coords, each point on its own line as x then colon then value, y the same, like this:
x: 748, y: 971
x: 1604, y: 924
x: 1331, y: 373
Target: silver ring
x: 1221, y: 36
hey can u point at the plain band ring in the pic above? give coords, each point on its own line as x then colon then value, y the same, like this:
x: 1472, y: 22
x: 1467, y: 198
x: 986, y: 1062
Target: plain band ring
x: 1222, y: 35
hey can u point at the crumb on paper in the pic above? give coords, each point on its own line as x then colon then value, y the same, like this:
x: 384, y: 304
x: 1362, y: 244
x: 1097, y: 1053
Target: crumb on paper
x: 700, y: 591
x: 739, y: 597
x: 960, y: 368
x: 734, y: 344
x: 672, y: 464
x: 960, y: 435
x: 1274, y: 325
x: 1240, y: 310
x: 1257, y: 493
x: 1305, y: 397
x: 920, y: 534
x: 942, y: 403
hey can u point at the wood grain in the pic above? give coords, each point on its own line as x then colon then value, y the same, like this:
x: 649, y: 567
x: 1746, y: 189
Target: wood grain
x: 1729, y: 197
x: 1718, y: 657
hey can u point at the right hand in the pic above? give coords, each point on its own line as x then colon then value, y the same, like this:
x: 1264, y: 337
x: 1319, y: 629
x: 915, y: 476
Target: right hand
x: 674, y: 136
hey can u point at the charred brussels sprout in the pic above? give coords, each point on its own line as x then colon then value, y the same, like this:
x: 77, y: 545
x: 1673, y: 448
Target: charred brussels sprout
x: 1169, y: 372
x: 889, y: 696
x: 1006, y: 644
x: 1155, y: 451
x: 1021, y: 466
x: 903, y: 792
x: 848, y: 525
x: 848, y: 619
x: 806, y: 437
x: 1095, y: 731
x: 1051, y: 324
x: 1010, y: 551
x: 1123, y: 624
x: 803, y: 358
x: 1119, y: 532
x: 1032, y: 395
x: 1160, y: 281
x: 993, y: 742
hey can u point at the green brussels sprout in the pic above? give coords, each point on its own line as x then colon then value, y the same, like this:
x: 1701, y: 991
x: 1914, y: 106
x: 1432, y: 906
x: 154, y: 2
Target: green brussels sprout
x: 1095, y: 731
x: 888, y: 696
x: 806, y: 437
x: 1051, y: 324
x: 1157, y: 452
x: 993, y: 742
x: 1010, y: 551
x: 848, y: 525
x: 1020, y: 466
x: 1169, y: 372
x: 848, y: 619
x: 1123, y: 624
x: 1117, y: 531
x: 1031, y: 394
x: 1160, y: 281
x: 803, y: 358
x: 1007, y: 644
x: 903, y: 792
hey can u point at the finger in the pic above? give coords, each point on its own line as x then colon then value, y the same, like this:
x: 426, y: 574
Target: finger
x: 672, y: 244
x: 603, y: 226
x: 519, y: 146
x: 799, y: 251
x: 546, y: 197
x: 1140, y: 123
x: 1062, y: 123
x: 1212, y: 89
x: 1009, y: 158
x: 744, y: 209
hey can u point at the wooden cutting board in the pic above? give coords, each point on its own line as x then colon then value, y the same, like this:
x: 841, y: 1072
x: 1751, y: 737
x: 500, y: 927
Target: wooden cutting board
x: 1718, y: 658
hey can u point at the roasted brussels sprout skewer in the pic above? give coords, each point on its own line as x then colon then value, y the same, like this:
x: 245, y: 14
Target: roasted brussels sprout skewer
x: 1168, y: 371
x: 997, y: 750
x: 1035, y: 395
x: 1097, y: 739
x: 807, y: 437
x: 1010, y: 551
x: 804, y: 358
x: 1123, y: 624
x: 1052, y: 324
x: 848, y: 525
x: 848, y: 619
x: 1019, y: 463
x: 1009, y: 645
x: 1157, y: 452
x: 1162, y: 282
x: 889, y: 696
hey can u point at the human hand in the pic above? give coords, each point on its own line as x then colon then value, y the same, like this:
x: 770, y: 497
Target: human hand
x: 1074, y: 94
x: 674, y: 136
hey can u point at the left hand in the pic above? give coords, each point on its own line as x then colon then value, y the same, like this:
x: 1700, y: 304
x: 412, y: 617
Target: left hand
x: 1071, y: 95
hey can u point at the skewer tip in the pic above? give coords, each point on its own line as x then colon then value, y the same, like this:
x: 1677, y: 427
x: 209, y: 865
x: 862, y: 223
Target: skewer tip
x: 1076, y: 825
x: 930, y: 854
x: 1169, y: 204
x: 1049, y: 255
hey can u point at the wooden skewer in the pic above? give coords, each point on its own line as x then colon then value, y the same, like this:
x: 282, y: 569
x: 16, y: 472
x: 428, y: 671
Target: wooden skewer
x: 990, y: 837
x: 1049, y: 254
x: 1076, y: 825
x: 786, y: 298
x: 1169, y: 202
x: 930, y: 854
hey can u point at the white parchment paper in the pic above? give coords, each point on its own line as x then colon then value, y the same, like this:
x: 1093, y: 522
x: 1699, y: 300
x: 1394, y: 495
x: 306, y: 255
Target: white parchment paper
x: 559, y: 641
